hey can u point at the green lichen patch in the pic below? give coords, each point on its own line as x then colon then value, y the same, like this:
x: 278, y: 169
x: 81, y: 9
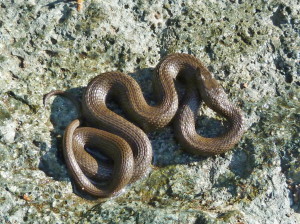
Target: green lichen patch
x: 4, y: 114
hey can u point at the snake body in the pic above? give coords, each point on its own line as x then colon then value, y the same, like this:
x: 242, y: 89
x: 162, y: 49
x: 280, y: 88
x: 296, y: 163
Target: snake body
x: 126, y: 143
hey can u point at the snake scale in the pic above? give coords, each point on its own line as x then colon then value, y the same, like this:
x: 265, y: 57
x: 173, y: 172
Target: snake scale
x: 127, y: 144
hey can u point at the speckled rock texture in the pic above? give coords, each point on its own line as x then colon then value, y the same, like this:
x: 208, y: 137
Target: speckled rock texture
x: 251, y: 47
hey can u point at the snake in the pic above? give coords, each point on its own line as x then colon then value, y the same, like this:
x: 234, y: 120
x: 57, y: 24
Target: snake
x: 124, y: 140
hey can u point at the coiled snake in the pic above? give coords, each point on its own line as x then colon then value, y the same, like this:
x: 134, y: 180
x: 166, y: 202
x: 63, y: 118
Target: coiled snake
x: 127, y: 144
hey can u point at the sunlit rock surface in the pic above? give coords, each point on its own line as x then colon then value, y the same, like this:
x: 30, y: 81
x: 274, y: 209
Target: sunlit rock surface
x: 251, y: 47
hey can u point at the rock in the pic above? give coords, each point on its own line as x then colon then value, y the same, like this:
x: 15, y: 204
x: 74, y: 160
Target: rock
x: 252, y: 47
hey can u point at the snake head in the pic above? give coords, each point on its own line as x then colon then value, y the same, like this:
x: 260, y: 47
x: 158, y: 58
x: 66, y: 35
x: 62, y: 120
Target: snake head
x: 211, y: 91
x: 206, y: 80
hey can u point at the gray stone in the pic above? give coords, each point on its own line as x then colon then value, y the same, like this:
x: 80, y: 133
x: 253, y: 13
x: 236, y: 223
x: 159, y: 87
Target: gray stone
x: 253, y: 49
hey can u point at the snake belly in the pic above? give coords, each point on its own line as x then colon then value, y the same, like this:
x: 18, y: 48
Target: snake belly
x: 117, y: 132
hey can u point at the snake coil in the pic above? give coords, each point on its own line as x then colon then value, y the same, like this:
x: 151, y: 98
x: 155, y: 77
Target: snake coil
x: 126, y: 143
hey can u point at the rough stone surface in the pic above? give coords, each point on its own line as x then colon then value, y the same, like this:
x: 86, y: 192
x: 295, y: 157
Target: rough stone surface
x: 253, y: 49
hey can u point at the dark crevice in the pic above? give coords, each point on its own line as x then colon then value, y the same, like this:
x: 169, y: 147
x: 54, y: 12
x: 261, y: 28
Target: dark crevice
x: 208, y: 49
x: 15, y: 77
x: 278, y: 18
x: 51, y: 53
x: 53, y: 41
x: 21, y: 64
x: 20, y: 99
x: 244, y: 38
x: 169, y: 11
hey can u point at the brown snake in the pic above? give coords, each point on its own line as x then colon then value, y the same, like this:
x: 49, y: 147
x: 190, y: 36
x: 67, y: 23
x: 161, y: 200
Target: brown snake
x: 127, y: 144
